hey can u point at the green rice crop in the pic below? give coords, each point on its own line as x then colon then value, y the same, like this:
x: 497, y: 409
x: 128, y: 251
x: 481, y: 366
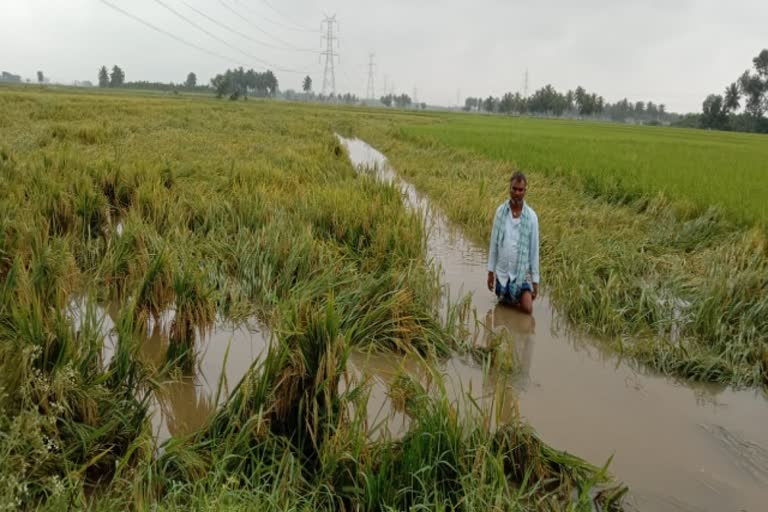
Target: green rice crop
x: 686, y: 294
x: 695, y: 169
x: 224, y: 210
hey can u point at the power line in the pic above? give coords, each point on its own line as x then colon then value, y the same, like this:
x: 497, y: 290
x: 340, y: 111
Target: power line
x: 184, y: 41
x: 287, y: 18
x: 213, y: 36
x: 295, y: 28
x: 246, y: 20
x: 162, y: 31
x: 236, y: 32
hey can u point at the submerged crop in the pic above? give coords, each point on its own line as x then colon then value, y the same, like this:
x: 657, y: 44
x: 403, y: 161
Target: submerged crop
x: 217, y: 210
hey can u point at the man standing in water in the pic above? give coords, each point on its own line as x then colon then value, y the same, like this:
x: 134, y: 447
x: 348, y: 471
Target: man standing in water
x: 513, y: 256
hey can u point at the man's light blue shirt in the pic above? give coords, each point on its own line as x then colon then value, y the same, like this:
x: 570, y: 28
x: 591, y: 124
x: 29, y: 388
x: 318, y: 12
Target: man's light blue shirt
x: 502, y: 253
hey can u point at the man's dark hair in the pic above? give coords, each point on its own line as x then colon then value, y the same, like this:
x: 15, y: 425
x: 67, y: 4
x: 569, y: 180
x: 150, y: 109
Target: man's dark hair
x: 518, y: 176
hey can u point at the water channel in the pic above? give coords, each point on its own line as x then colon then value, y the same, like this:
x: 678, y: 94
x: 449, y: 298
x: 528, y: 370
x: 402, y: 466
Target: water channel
x: 680, y: 446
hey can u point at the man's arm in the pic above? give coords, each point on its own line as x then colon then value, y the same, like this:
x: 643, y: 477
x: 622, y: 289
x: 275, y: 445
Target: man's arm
x: 492, y: 253
x: 535, y: 256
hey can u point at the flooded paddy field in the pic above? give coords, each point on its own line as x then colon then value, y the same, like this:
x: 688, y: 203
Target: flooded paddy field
x: 187, y: 288
x: 678, y: 445
x: 207, y: 304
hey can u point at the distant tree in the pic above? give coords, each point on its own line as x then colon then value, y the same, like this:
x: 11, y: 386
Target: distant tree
x: 490, y: 103
x: 191, y: 81
x: 219, y: 85
x: 386, y: 100
x: 761, y: 64
x: 306, y: 86
x: 6, y: 76
x: 117, y: 77
x: 586, y: 104
x: 639, y: 108
x: 753, y: 88
x: 570, y: 100
x: 270, y: 82
x: 651, y: 110
x: 402, y: 101
x: 507, y: 103
x: 237, y: 83
x: 40, y: 77
x: 580, y: 99
x: 103, y: 77
x: 713, y: 114
x: 732, y: 98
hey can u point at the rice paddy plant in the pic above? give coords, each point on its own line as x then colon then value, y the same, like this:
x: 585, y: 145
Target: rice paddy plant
x: 273, y: 426
x: 698, y: 169
x: 194, y: 309
x: 689, y: 283
x: 162, y: 209
x: 66, y: 422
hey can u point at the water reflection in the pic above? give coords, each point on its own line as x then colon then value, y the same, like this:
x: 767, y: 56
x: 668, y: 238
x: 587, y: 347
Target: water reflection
x: 521, y: 333
x: 186, y: 397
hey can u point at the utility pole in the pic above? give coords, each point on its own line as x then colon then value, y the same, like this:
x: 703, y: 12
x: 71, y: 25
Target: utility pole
x: 370, y: 91
x: 329, y: 74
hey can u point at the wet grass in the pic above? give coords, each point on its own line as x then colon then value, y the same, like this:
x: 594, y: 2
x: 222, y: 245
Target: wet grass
x: 682, y: 292
x: 220, y: 210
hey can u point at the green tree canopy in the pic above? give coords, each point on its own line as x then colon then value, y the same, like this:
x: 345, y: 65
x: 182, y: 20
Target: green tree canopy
x: 191, y: 81
x: 236, y: 83
x: 714, y: 114
x: 732, y: 97
x: 307, y: 84
x: 117, y: 77
x: 103, y: 77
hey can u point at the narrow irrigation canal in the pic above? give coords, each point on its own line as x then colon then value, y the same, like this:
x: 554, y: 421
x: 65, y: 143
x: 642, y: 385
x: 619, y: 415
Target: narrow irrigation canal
x: 679, y: 446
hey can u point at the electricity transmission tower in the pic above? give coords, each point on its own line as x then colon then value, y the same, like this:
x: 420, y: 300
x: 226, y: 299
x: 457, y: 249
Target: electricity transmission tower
x: 370, y: 91
x: 329, y: 74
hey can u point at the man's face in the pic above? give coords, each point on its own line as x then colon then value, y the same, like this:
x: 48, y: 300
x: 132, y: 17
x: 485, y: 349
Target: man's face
x: 517, y: 192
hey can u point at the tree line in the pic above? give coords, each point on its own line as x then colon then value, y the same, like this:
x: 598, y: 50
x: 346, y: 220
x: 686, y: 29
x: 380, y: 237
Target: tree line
x: 723, y: 111
x: 233, y: 83
x: 239, y: 83
x: 389, y: 100
x: 576, y: 103
x: 7, y: 76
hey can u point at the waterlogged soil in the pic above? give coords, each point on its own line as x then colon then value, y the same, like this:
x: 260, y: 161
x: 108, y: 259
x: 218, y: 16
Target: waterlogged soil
x: 184, y: 400
x: 680, y: 446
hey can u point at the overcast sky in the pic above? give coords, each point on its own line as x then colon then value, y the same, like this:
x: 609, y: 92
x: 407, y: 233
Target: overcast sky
x: 668, y: 51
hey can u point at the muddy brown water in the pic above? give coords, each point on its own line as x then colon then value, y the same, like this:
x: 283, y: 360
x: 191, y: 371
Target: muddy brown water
x: 183, y: 402
x: 680, y: 446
